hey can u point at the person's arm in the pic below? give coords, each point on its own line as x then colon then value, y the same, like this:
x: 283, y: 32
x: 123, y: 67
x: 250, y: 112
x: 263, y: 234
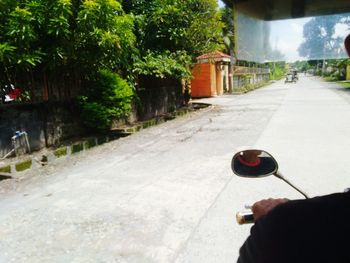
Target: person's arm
x: 308, y: 230
x: 259, y: 245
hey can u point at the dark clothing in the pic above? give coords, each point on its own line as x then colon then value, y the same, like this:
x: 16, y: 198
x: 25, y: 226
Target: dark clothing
x: 314, y: 230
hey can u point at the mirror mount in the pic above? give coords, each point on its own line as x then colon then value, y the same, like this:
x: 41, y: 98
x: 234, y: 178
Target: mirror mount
x: 254, y: 163
x: 280, y: 176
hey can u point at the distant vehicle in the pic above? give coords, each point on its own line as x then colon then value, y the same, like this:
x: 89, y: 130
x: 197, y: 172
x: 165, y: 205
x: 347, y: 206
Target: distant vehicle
x: 291, y: 78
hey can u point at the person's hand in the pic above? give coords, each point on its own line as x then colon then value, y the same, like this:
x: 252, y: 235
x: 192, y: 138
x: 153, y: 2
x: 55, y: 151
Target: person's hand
x: 262, y: 207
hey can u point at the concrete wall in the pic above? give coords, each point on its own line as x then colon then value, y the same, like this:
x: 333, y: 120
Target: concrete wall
x: 47, y: 124
x: 158, y: 97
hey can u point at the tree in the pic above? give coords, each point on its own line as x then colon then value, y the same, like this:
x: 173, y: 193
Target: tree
x: 171, y: 30
x: 62, y: 37
x: 104, y: 35
x: 229, y: 30
x: 320, y: 40
x: 65, y: 45
x: 301, y: 65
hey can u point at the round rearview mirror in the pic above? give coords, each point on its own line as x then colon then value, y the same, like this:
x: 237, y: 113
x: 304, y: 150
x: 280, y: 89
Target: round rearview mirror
x: 253, y: 163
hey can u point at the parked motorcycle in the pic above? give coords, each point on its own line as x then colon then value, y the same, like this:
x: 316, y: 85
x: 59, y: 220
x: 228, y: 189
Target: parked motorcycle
x: 254, y: 163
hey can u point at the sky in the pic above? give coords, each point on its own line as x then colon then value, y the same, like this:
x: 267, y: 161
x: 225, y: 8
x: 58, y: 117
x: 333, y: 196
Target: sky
x: 287, y: 35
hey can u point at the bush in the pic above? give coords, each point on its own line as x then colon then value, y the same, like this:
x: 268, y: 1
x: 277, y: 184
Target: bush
x: 108, y: 97
x: 95, y: 115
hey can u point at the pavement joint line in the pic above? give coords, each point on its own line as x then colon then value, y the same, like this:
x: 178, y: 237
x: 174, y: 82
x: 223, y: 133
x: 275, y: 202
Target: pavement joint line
x: 193, y: 232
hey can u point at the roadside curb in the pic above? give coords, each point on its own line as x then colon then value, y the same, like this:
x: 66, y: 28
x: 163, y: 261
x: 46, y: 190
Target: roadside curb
x: 14, y: 168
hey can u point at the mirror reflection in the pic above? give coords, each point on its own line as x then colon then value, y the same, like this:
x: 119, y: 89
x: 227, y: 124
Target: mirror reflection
x: 253, y: 163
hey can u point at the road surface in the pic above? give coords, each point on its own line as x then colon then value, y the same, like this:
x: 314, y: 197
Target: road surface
x: 167, y: 193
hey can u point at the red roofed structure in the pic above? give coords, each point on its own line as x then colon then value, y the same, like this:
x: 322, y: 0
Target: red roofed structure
x: 210, y: 75
x: 216, y: 55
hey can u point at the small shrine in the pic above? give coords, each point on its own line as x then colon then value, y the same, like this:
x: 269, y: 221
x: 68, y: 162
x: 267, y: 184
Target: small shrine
x: 210, y: 75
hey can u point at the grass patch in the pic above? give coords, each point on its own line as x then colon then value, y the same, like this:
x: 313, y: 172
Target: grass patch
x: 23, y: 165
x: 145, y: 125
x: 344, y: 84
x: 5, y: 169
x: 90, y: 143
x: 77, y: 148
x: 130, y: 130
x: 329, y: 78
x: 60, y: 152
x: 101, y: 140
x: 250, y: 87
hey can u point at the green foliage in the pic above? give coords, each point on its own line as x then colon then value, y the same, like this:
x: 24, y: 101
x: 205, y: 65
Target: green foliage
x: 277, y: 70
x: 63, y: 39
x: 77, y: 148
x: 164, y: 65
x: 205, y: 32
x: 93, y: 44
x: 229, y: 30
x: 17, y: 40
x: 335, y: 70
x: 301, y: 65
x: 24, y: 165
x: 90, y: 143
x: 20, y: 25
x: 6, y: 53
x: 95, y: 115
x: 345, y: 84
x: 104, y: 35
x: 247, y: 87
x: 278, y: 73
x: 60, y: 152
x: 167, y: 31
x: 5, y: 169
x: 108, y: 97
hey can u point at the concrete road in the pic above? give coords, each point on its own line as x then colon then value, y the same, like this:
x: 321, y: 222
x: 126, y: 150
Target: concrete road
x: 167, y: 194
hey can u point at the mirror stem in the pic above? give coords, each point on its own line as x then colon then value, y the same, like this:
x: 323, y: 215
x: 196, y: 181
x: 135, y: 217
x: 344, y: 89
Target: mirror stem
x: 278, y: 175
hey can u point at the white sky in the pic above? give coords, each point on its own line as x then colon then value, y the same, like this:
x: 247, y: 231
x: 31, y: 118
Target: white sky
x: 287, y: 35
